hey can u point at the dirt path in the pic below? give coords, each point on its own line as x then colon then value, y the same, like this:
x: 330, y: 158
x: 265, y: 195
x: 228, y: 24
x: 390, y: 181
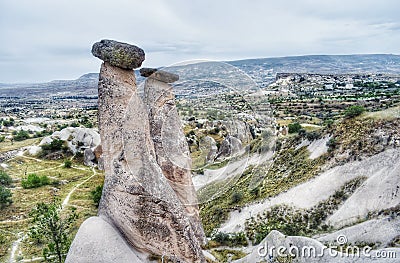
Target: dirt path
x: 21, y: 235
x: 66, y: 200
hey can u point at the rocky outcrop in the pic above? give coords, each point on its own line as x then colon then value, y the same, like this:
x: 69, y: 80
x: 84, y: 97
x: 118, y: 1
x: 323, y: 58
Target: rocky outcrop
x: 238, y: 129
x: 208, y: 146
x: 138, y: 200
x: 100, y: 242
x: 171, y: 148
x: 76, y: 138
x: 230, y: 147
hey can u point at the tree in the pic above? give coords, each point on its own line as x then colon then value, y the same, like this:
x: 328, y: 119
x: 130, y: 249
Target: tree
x: 5, y: 197
x: 52, y: 228
x: 354, y: 111
x: 5, y: 179
x: 5, y: 193
x: 21, y: 135
x: 294, y: 127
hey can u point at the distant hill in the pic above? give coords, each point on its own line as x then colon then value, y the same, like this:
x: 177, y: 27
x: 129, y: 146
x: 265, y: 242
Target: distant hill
x: 262, y: 70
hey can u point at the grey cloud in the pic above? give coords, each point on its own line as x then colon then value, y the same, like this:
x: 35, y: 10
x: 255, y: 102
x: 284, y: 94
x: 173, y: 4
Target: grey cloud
x: 47, y: 39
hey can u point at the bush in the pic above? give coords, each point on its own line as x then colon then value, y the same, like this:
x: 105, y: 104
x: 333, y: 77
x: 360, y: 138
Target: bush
x: 294, y: 127
x: 2, y: 138
x: 230, y: 239
x: 21, y: 135
x: 67, y: 164
x: 96, y: 195
x: 236, y: 197
x: 331, y: 144
x: 55, y: 145
x: 35, y: 181
x: 5, y: 197
x: 354, y: 111
x: 5, y: 179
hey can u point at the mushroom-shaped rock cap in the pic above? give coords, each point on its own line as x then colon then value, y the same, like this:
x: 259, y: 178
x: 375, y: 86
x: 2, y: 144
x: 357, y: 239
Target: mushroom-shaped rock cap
x: 118, y: 54
x: 159, y: 75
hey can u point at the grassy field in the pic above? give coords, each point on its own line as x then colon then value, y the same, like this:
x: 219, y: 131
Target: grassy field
x: 76, y: 183
x: 7, y: 145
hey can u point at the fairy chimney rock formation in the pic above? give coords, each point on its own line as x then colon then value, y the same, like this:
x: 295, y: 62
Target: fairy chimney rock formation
x: 171, y: 148
x: 138, y: 200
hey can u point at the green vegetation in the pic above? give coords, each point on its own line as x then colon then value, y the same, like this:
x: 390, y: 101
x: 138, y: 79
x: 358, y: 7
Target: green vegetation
x: 5, y: 179
x: 5, y: 197
x: 25, y: 199
x: 35, y: 181
x: 21, y: 135
x: 227, y: 255
x: 7, y: 123
x: 53, y: 229
x: 67, y: 164
x: 96, y: 195
x: 236, y: 197
x: 230, y: 240
x: 5, y: 193
x: 2, y: 138
x: 294, y: 127
x: 293, y: 221
x: 289, y: 169
x: 55, y: 146
x: 353, y: 111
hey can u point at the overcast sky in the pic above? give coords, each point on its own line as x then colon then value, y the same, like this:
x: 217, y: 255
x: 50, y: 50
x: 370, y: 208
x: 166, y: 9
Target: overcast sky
x: 42, y: 40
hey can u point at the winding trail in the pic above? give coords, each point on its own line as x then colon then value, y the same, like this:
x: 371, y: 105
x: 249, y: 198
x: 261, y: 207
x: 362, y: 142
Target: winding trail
x: 21, y: 235
x: 66, y: 200
x: 15, y: 246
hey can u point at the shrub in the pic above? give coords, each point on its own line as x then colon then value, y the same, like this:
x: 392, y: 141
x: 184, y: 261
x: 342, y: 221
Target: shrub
x: 5, y: 197
x: 294, y: 127
x: 67, y: 164
x: 34, y: 181
x: 230, y: 239
x: 96, y: 195
x: 21, y: 135
x: 331, y: 144
x: 354, y: 111
x: 55, y: 145
x: 236, y: 197
x: 2, y: 138
x: 5, y: 179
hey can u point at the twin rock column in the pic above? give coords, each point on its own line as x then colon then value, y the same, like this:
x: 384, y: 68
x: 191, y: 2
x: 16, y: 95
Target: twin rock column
x: 148, y: 194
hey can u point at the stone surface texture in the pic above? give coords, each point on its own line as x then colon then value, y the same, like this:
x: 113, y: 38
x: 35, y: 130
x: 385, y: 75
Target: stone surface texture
x: 118, y: 54
x: 171, y: 148
x: 149, y: 205
x: 160, y: 75
x: 138, y: 200
x: 92, y: 244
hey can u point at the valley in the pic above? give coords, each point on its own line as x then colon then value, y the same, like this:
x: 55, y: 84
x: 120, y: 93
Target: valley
x: 308, y: 146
